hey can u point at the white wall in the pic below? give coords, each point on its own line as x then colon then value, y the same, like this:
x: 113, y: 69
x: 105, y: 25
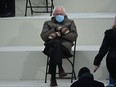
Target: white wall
x: 27, y: 31
x: 31, y: 65
x: 22, y: 65
x: 73, y: 5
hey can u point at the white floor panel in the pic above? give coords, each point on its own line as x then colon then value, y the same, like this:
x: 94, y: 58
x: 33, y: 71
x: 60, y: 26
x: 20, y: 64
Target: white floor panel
x: 39, y: 83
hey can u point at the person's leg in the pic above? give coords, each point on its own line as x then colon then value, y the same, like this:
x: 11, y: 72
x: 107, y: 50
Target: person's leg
x: 52, y: 71
x: 65, y: 54
x: 111, y: 68
x: 61, y: 71
x: 59, y: 53
x: 55, y: 59
x: 60, y: 66
x: 53, y: 50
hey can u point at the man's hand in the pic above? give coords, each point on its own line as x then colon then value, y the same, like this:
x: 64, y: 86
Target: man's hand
x: 62, y: 29
x: 58, y: 33
x: 58, y: 28
x: 65, y: 30
x: 53, y: 35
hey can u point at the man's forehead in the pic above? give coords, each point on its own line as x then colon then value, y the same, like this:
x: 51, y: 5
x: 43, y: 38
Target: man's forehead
x: 59, y: 10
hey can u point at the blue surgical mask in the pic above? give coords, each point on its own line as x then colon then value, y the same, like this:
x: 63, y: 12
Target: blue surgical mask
x: 59, y: 18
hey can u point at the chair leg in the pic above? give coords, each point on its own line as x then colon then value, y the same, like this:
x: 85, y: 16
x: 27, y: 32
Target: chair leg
x: 30, y: 7
x: 47, y: 6
x: 26, y: 8
x: 46, y: 69
x: 73, y: 75
x: 52, y: 7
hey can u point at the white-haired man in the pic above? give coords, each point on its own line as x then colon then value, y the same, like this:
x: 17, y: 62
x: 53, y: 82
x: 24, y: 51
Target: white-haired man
x: 59, y: 33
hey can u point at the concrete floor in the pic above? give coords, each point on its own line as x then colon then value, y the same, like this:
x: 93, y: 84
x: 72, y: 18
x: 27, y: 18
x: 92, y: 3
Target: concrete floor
x: 39, y: 83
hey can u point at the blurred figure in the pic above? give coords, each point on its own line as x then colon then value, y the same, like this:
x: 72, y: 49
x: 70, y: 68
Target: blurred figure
x: 7, y: 8
x: 59, y: 33
x: 86, y: 79
x: 108, y: 47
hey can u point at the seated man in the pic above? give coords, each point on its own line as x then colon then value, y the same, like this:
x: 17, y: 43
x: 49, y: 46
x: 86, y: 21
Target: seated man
x: 86, y: 79
x: 59, y: 33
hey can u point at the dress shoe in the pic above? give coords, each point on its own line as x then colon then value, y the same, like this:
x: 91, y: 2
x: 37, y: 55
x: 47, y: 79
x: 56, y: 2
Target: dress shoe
x: 62, y: 74
x: 53, y: 82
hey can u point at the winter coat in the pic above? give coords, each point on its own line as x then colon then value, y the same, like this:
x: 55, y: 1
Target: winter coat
x: 108, y: 47
x: 68, y: 39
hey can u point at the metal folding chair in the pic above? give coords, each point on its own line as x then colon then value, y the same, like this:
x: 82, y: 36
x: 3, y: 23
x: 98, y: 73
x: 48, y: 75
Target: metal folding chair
x: 46, y: 6
x: 72, y: 62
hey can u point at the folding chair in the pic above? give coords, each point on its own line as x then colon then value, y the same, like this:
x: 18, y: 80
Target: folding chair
x: 46, y: 6
x: 72, y: 62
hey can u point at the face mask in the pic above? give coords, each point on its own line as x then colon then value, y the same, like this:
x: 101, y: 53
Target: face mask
x: 59, y: 18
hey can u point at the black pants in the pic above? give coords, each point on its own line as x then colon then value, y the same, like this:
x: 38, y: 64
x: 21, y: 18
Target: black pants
x: 56, y: 52
x: 7, y: 6
x: 111, y: 64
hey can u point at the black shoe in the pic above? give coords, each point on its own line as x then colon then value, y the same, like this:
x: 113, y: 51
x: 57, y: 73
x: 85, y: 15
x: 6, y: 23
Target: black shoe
x: 53, y: 82
x: 7, y: 14
x: 62, y: 73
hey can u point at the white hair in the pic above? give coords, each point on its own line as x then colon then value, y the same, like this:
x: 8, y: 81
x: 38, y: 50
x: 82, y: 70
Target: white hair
x: 59, y: 7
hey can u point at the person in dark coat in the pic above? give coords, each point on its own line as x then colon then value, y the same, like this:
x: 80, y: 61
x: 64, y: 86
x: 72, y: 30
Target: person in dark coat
x: 7, y: 8
x: 108, y: 47
x: 86, y: 79
x: 59, y: 33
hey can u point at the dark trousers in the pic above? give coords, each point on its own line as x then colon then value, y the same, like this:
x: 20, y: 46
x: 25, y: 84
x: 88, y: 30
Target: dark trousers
x: 111, y: 64
x: 56, y: 52
x: 7, y: 6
